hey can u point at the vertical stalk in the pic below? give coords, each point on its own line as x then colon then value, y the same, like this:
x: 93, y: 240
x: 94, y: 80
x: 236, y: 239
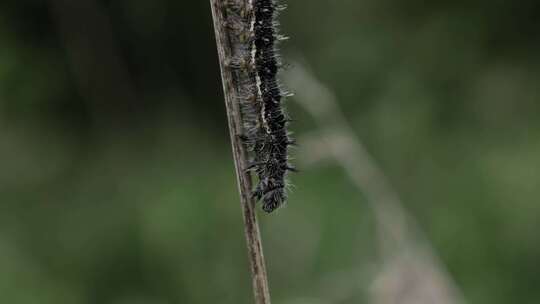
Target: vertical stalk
x: 231, y: 87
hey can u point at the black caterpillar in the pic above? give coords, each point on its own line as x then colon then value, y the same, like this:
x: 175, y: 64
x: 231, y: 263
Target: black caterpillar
x: 265, y: 122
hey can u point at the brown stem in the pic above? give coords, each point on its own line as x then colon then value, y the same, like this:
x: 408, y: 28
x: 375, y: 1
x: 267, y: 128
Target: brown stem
x: 230, y: 88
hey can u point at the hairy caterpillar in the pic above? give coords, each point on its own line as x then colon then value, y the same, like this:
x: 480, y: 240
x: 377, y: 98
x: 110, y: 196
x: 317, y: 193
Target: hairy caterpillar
x: 254, y: 24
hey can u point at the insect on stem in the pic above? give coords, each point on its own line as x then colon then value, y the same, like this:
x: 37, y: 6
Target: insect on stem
x: 228, y: 46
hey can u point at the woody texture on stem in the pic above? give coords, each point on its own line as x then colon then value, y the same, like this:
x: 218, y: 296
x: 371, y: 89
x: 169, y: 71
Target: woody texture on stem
x: 230, y: 45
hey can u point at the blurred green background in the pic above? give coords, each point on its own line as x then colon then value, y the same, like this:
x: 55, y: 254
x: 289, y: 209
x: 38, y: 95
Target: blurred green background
x: 117, y: 183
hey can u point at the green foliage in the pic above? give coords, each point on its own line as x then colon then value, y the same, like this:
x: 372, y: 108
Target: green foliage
x: 106, y: 206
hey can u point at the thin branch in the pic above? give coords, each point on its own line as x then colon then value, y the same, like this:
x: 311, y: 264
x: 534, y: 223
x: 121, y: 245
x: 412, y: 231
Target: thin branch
x: 413, y: 272
x: 230, y: 88
x: 338, y: 136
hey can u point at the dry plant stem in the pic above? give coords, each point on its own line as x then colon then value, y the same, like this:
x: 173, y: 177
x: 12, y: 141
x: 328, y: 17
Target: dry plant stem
x: 230, y: 87
x: 398, y: 234
x: 351, y: 154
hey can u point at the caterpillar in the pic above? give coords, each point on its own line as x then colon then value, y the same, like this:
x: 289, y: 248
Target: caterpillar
x: 256, y: 60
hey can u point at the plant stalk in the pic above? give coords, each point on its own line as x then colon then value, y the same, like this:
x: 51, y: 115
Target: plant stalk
x: 230, y: 88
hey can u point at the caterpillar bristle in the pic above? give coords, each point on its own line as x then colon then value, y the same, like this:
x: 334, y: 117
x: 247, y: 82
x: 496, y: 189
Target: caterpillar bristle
x: 256, y: 64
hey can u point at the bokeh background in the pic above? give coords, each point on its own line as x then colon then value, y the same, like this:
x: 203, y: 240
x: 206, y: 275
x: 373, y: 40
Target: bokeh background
x: 116, y: 177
